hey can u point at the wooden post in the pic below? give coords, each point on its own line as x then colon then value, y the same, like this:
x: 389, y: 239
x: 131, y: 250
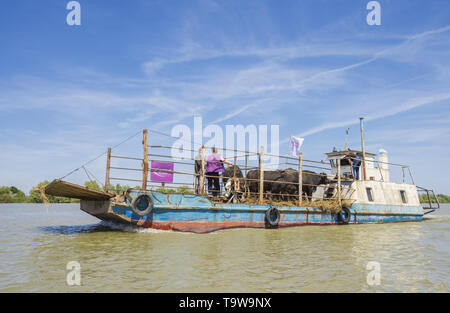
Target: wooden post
x: 245, y: 170
x: 245, y: 191
x: 363, y: 149
x: 234, y: 184
x: 300, y: 179
x: 261, y: 175
x: 339, y: 182
x: 195, y: 176
x: 195, y: 179
x: 202, y: 170
x: 108, y: 167
x: 145, y: 161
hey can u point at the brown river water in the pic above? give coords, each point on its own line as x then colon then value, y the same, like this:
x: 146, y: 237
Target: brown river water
x: 37, y: 242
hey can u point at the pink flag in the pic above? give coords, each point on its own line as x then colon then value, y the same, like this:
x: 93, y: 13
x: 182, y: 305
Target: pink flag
x: 164, y: 176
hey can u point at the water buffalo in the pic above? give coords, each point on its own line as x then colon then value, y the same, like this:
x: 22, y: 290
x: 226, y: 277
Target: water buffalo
x: 229, y: 173
x: 285, y: 182
x: 311, y: 180
x: 252, y: 180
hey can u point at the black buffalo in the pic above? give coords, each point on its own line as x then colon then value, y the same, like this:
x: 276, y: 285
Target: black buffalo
x: 284, y: 183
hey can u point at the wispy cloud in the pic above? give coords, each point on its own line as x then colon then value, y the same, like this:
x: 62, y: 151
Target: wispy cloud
x: 395, y: 109
x: 261, y: 66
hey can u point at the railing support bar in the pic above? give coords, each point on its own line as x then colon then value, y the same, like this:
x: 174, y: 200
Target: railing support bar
x: 261, y: 175
x: 145, y: 160
x: 108, y: 169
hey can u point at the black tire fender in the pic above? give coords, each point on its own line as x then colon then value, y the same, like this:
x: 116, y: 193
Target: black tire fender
x: 270, y: 221
x: 142, y: 204
x: 344, y: 215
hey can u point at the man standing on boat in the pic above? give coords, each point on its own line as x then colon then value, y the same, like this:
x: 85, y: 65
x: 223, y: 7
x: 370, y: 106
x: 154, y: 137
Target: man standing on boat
x: 214, y: 166
x: 355, y: 162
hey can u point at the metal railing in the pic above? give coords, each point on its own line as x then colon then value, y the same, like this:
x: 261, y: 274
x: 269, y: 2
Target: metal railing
x: 242, y: 187
x: 430, y: 202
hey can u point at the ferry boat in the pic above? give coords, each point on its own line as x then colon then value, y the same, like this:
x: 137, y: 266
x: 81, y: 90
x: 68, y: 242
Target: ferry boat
x: 370, y: 198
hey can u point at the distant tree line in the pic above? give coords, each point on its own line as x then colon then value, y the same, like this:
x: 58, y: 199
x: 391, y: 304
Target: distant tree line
x: 11, y: 194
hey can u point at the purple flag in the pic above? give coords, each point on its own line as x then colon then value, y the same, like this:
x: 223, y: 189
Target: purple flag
x: 161, y: 176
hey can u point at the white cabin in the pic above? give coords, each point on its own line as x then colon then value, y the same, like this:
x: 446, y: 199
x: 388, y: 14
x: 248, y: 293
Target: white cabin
x: 377, y: 170
x: 376, y: 189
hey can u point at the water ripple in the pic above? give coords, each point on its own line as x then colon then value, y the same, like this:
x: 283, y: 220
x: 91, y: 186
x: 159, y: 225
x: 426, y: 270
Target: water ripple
x: 414, y: 257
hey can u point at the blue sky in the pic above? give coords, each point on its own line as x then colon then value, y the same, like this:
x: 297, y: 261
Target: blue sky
x: 312, y: 67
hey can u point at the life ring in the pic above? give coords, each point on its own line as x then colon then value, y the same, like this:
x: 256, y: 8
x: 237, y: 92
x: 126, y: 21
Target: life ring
x: 344, y: 215
x: 142, y: 204
x: 272, y: 217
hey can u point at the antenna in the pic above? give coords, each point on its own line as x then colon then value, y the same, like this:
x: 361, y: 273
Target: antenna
x: 346, y: 138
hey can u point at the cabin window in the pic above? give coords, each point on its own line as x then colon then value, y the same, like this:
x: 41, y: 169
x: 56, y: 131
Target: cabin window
x: 403, y: 195
x: 369, y: 194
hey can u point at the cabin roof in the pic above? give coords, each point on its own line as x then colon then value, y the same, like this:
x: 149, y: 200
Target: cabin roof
x: 342, y: 153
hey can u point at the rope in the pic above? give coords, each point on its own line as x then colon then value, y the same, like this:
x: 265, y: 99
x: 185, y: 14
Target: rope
x: 87, y: 174
x: 286, y: 158
x: 174, y: 137
x: 100, y: 155
x: 95, y: 178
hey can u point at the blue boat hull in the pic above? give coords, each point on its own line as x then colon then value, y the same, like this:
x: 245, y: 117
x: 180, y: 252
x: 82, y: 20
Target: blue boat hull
x: 192, y: 213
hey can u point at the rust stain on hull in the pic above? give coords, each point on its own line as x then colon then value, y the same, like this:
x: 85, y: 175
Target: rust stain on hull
x: 208, y: 227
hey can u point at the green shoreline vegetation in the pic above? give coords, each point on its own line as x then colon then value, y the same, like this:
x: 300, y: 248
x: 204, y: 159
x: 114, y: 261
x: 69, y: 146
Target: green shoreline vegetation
x: 442, y: 198
x: 11, y: 194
